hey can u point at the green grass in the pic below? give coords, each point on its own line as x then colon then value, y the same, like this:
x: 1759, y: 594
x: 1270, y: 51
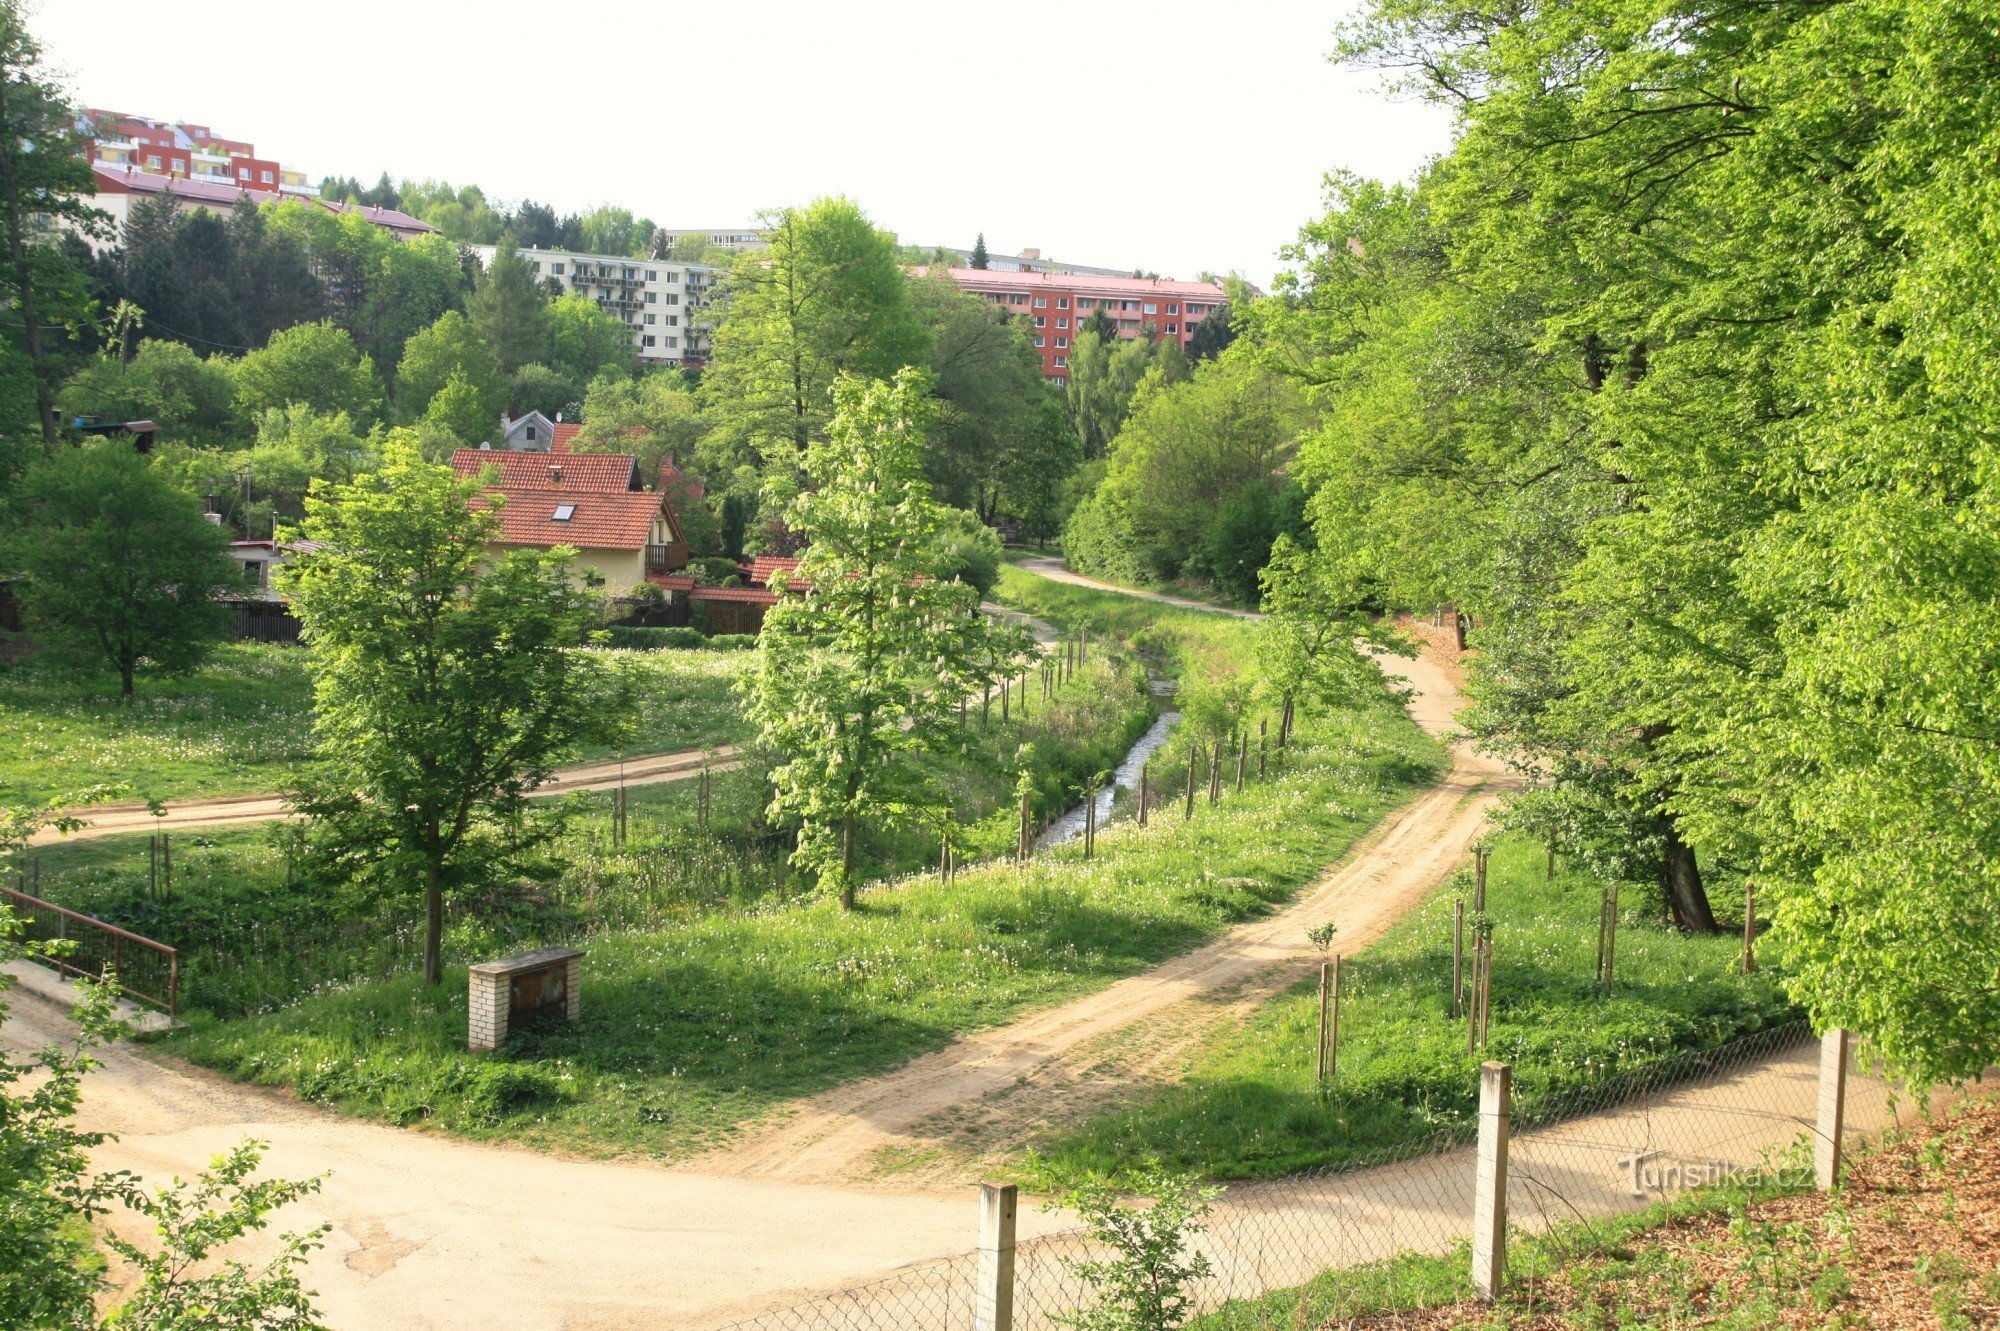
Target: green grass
x: 243, y: 722
x: 721, y: 1017
x: 1250, y: 1107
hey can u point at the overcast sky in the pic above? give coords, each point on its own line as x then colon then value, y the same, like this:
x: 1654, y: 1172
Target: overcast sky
x: 1169, y: 136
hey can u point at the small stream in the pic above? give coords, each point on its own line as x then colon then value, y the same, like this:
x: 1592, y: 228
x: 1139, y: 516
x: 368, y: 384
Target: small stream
x: 1070, y: 825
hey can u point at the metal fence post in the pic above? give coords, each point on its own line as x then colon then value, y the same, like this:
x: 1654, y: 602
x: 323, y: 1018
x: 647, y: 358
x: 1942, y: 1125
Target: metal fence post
x: 1833, y: 1047
x: 1489, y: 1204
x: 993, y: 1300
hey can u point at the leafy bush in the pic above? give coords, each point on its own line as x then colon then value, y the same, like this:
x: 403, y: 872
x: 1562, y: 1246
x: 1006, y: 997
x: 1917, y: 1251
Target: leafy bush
x: 644, y: 639
x: 732, y: 642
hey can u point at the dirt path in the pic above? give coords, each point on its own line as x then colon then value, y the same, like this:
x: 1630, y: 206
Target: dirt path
x: 989, y: 1090
x: 119, y: 819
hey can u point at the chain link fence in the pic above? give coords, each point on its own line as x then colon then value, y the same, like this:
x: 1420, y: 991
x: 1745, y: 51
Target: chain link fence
x: 1281, y: 1253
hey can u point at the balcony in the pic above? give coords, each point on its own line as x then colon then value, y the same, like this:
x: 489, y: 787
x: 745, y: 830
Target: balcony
x: 666, y: 558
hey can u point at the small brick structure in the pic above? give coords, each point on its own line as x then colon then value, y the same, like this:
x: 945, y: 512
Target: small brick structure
x: 502, y: 994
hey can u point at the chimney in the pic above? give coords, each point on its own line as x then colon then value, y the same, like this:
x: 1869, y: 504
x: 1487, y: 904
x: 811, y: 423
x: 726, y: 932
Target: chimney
x: 555, y: 474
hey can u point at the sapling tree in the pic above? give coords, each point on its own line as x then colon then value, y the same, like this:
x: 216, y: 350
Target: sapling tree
x: 861, y: 670
x: 1147, y: 1282
x: 447, y: 683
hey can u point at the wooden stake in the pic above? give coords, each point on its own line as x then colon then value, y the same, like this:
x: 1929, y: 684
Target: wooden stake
x: 1003, y: 701
x: 1263, y: 738
x: 1194, y: 752
x: 1333, y: 1025
x: 1479, y: 881
x: 1550, y: 874
x: 944, y: 849
x: 1090, y: 821
x: 1611, y: 939
x: 1026, y: 842
x: 1457, y: 960
x: 1145, y: 793
x: 1325, y: 1012
x: 1215, y: 775
x: 1749, y: 928
x: 1242, y: 757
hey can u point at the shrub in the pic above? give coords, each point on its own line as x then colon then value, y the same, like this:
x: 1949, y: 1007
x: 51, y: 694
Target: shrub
x: 733, y: 642
x: 644, y: 639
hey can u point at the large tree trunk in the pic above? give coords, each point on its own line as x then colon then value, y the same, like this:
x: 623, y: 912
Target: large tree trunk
x: 1686, y: 896
x: 847, y: 862
x: 433, y: 926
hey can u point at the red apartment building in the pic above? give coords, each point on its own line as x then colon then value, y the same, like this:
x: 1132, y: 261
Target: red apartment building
x: 185, y: 151
x: 1055, y: 305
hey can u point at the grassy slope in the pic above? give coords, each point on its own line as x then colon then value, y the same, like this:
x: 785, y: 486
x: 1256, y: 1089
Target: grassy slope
x: 692, y: 1028
x: 1250, y: 1106
x: 243, y: 722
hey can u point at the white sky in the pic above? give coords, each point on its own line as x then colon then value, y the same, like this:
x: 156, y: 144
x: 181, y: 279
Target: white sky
x: 1170, y: 136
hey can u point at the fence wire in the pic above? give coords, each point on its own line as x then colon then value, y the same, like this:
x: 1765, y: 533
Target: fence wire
x: 1287, y: 1253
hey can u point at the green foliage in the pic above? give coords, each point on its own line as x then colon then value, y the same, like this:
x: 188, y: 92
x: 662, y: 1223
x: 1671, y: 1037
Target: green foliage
x: 862, y: 671
x: 316, y: 364
x: 536, y: 387
x: 968, y: 551
x: 193, y: 400
x: 508, y: 309
x: 449, y: 349
x: 1147, y: 1282
x: 825, y: 298
x: 583, y: 340
x: 119, y: 564
x: 446, y: 682
x: 1710, y: 475
x: 654, y: 638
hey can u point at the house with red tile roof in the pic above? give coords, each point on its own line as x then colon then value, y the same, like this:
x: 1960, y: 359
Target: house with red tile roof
x: 623, y: 536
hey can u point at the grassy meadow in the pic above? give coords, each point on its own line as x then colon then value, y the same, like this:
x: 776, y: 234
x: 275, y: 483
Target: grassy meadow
x: 243, y: 722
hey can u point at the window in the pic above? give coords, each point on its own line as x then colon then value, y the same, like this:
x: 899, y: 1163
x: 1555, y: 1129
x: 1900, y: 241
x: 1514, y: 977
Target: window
x: 649, y: 318
x: 1062, y: 343
x: 1059, y: 380
x: 1173, y: 328
x: 1062, y: 321
x: 531, y: 436
x: 652, y: 275
x: 672, y: 298
x: 1062, y: 302
x: 556, y: 268
x: 563, y: 513
x: 648, y: 340
x: 1038, y: 341
x: 1041, y: 302
x: 1151, y: 308
x: 242, y: 173
x: 671, y: 340
x: 264, y: 176
x: 1041, y: 321
x: 1174, y: 309
x: 535, y: 264
x: 153, y: 163
x: 652, y: 298
x: 1062, y: 362
x: 671, y: 321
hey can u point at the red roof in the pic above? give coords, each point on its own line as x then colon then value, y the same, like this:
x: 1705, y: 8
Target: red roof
x: 746, y: 595
x: 563, y: 433
x: 595, y: 520
x: 604, y: 472
x: 671, y: 476
x: 1131, y: 287
x: 112, y: 180
x: 673, y: 582
x: 764, y: 566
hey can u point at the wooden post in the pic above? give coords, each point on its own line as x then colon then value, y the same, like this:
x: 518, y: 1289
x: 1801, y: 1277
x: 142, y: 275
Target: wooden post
x: 1003, y: 701
x: 1833, y: 1051
x: 1026, y: 841
x: 944, y: 849
x: 1749, y: 928
x: 1333, y: 1026
x: 167, y: 863
x: 1479, y: 880
x: 1215, y: 775
x: 986, y: 708
x: 1611, y: 939
x: 1485, y: 986
x: 993, y: 1295
x: 1194, y: 752
x: 152, y: 865
x: 1457, y: 960
x: 1489, y: 1197
x: 1090, y: 820
x: 1021, y: 688
x: 1325, y: 1011
x: 1263, y: 737
x: 1242, y: 757
x: 1145, y: 792
x: 1549, y: 875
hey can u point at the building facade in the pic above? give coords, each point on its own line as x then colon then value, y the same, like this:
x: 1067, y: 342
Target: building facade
x: 179, y: 150
x: 1054, y: 307
x: 663, y: 303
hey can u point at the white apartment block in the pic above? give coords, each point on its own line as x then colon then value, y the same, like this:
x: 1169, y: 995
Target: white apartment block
x: 660, y: 301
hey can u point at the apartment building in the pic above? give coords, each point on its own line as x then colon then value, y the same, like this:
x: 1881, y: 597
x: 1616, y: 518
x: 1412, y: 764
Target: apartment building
x: 661, y: 301
x: 1032, y: 261
x: 1055, y: 305
x: 180, y: 150
x: 723, y: 237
